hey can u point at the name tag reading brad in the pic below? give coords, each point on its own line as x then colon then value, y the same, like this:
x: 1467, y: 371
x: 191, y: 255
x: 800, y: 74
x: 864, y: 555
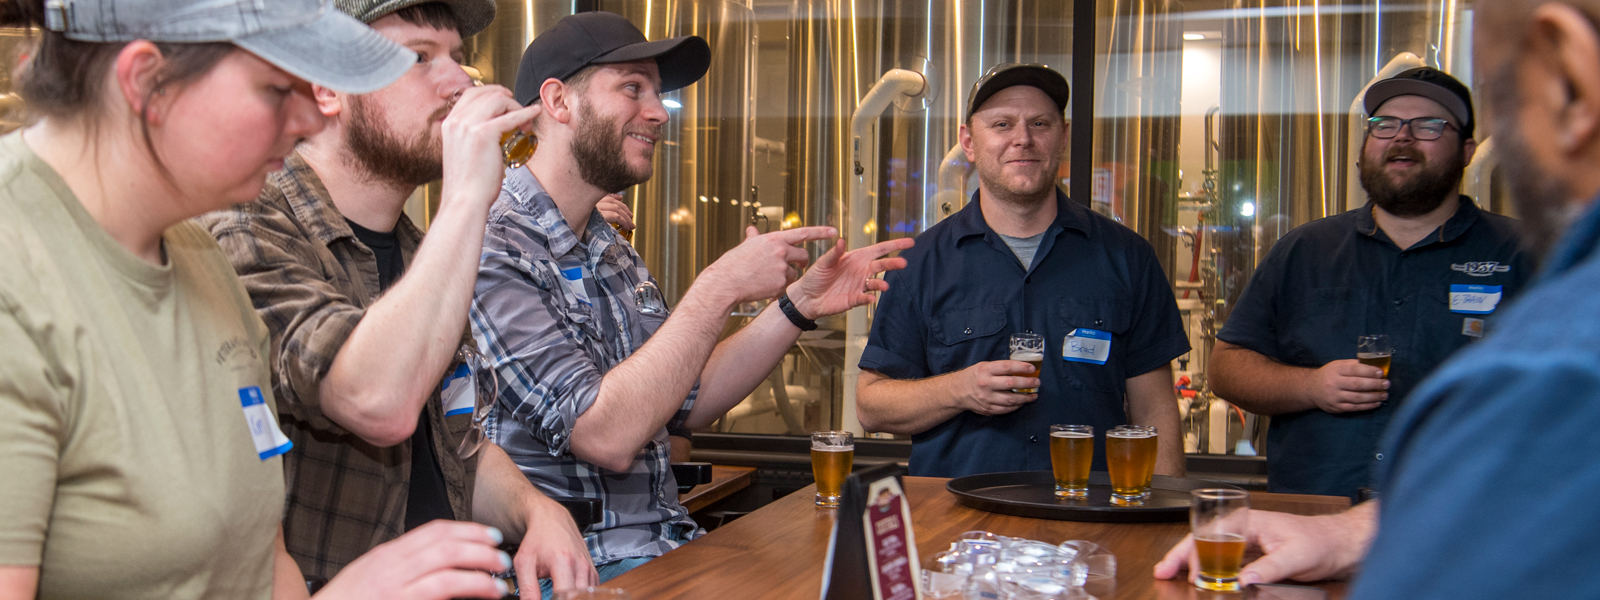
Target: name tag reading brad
x: 1474, y: 299
x: 1087, y: 346
x: 457, y: 393
x: 264, y: 431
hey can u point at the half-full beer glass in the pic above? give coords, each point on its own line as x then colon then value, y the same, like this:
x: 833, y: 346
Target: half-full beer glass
x: 1131, y: 458
x: 1028, y: 348
x: 1071, y: 453
x: 1218, y: 519
x: 832, y: 453
x: 1374, y: 350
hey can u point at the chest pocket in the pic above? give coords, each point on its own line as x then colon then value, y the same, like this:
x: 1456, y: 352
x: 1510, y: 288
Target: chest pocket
x: 1323, y: 326
x: 1105, y: 314
x: 959, y: 326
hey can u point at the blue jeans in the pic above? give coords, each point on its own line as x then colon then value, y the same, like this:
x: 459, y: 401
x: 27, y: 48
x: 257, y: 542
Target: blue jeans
x: 607, y: 572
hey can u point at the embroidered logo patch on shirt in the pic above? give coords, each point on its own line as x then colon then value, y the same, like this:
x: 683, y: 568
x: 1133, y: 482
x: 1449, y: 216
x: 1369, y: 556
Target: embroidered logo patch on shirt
x: 1480, y: 269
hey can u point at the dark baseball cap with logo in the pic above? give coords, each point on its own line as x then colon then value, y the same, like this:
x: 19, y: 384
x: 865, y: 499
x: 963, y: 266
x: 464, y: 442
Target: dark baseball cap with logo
x: 1429, y: 83
x: 1012, y: 74
x: 598, y: 38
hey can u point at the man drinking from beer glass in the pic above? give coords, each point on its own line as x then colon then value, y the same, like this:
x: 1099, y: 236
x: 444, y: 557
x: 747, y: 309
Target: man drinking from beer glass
x: 1420, y: 264
x: 1021, y: 257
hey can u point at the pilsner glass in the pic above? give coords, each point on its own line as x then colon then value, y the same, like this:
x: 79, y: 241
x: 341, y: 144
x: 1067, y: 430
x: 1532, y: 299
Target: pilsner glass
x: 1028, y: 348
x: 832, y: 453
x: 1071, y: 453
x: 1374, y: 350
x: 1131, y: 458
x: 1217, y: 518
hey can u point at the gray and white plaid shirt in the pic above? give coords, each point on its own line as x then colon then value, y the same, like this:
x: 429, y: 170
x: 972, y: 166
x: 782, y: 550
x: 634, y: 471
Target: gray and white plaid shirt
x: 554, y: 316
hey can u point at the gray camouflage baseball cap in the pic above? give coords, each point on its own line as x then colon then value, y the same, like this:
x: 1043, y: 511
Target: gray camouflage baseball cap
x: 307, y: 38
x: 472, y: 16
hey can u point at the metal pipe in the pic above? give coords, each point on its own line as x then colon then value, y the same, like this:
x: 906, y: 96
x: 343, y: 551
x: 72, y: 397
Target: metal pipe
x: 896, y: 84
x: 954, y: 171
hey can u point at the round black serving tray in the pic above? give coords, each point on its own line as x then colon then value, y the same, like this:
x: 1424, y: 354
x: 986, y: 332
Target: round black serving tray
x: 1033, y: 494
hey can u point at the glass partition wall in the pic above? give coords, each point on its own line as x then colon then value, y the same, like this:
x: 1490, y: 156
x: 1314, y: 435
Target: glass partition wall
x: 1218, y: 126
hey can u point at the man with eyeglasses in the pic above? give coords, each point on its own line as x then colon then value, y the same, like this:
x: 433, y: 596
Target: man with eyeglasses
x: 1420, y: 264
x: 367, y: 317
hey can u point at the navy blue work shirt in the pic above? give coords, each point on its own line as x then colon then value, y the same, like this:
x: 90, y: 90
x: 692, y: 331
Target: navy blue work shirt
x: 964, y: 293
x: 1494, y: 470
x: 1331, y: 280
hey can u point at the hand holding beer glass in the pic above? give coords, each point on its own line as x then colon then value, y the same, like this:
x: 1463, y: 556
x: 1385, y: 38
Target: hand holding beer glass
x: 832, y: 455
x: 1374, y: 350
x: 1071, y: 453
x: 1131, y: 458
x: 1218, y: 519
x: 1028, y: 348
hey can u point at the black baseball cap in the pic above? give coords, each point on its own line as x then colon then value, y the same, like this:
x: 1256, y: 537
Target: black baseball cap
x: 1003, y: 76
x: 597, y: 38
x: 1429, y: 83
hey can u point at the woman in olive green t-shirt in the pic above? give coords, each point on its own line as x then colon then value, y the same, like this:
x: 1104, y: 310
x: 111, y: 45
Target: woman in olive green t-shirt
x: 138, y: 442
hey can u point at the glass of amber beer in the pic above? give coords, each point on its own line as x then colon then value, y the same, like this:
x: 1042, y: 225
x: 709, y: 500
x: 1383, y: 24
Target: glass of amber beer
x: 832, y: 453
x: 1071, y: 453
x: 1374, y: 350
x: 1028, y: 348
x: 1131, y: 458
x: 1218, y: 519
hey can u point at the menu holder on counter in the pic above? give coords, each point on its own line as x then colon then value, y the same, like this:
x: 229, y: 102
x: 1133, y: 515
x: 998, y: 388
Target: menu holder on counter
x: 872, y: 554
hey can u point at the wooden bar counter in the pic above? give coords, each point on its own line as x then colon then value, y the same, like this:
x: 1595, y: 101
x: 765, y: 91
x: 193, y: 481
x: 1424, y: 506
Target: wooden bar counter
x: 777, y: 552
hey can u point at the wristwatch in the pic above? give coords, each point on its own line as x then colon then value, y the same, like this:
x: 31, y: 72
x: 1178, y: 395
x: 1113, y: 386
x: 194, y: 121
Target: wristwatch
x: 799, y: 320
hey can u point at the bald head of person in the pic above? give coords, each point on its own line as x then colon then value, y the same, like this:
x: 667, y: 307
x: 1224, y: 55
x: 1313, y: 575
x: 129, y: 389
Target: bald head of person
x: 1538, y: 64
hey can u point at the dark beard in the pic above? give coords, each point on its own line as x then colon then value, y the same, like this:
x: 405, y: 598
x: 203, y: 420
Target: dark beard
x: 597, y: 148
x: 1430, y: 187
x: 384, y: 156
x: 1541, y: 200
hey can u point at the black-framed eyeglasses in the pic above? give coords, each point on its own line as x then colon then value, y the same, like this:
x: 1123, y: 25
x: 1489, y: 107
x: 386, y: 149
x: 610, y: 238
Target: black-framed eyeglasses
x: 1426, y: 129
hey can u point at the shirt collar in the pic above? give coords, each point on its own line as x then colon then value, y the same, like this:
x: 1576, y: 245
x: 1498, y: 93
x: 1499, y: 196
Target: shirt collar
x: 1579, y: 243
x: 311, y: 202
x: 531, y: 200
x: 313, y: 206
x: 1458, y: 224
x: 969, y: 220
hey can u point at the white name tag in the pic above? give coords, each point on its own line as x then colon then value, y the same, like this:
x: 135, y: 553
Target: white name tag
x: 1474, y: 299
x: 1087, y: 345
x: 264, y: 431
x: 457, y: 393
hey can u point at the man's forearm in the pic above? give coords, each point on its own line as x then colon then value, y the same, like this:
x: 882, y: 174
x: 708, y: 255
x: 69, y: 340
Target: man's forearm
x: 639, y: 396
x: 904, y: 406
x: 1152, y: 401
x: 1257, y: 383
x: 397, y: 354
x: 501, y: 494
x: 742, y: 362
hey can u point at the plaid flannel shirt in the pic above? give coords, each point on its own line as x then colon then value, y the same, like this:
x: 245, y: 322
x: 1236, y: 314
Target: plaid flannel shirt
x: 554, y: 315
x: 311, y: 281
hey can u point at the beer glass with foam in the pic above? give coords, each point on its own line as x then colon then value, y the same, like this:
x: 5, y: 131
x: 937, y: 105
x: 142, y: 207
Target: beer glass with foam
x: 1028, y: 348
x: 1071, y: 453
x: 832, y: 454
x: 1131, y: 460
x: 1374, y: 350
x: 1218, y: 519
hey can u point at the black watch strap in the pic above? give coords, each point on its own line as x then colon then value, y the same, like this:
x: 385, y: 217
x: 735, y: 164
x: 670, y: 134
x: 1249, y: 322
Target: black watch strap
x: 799, y: 320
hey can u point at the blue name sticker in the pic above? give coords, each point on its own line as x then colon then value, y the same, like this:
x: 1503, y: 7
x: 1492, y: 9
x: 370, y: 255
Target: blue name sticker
x: 457, y: 393
x: 1087, y: 346
x: 574, y: 279
x: 264, y: 431
x: 1474, y: 299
